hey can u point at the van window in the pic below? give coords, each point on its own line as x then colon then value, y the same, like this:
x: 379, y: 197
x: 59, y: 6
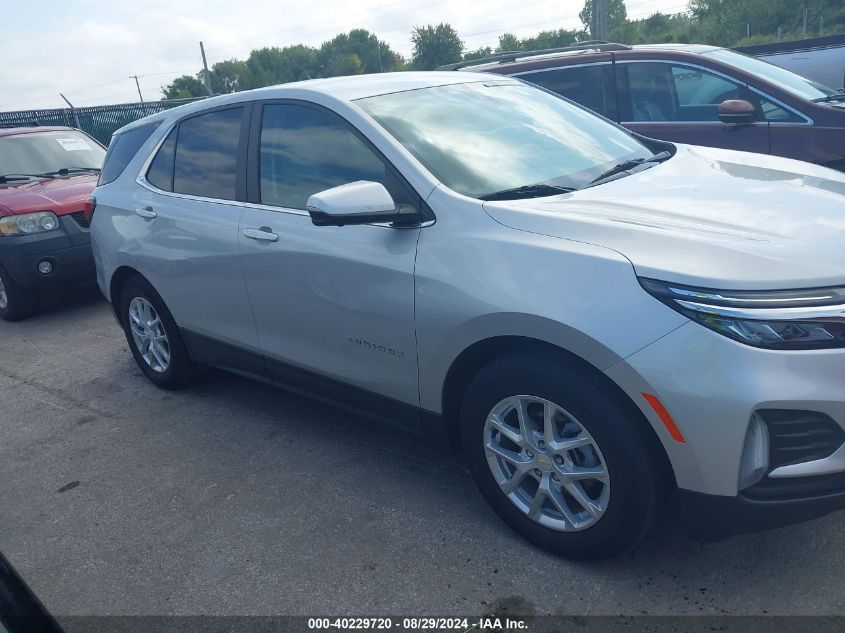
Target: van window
x: 592, y: 86
x: 207, y: 154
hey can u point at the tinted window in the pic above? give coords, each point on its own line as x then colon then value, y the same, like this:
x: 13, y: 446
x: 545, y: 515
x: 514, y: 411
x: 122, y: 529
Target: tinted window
x: 207, y: 154
x: 664, y: 92
x: 122, y: 149
x: 304, y: 151
x: 776, y: 113
x: 160, y: 173
x: 591, y: 86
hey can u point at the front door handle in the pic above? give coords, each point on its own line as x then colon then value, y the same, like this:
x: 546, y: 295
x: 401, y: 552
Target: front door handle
x: 264, y: 234
x: 146, y: 212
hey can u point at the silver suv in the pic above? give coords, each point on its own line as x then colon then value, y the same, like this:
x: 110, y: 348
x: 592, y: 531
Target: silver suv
x: 602, y: 322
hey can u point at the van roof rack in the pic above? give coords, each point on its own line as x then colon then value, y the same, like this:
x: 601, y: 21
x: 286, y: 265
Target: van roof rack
x: 512, y: 56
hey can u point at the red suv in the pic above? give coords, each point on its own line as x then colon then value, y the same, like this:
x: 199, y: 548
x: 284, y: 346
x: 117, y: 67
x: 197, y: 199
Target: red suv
x: 47, y: 175
x: 691, y: 93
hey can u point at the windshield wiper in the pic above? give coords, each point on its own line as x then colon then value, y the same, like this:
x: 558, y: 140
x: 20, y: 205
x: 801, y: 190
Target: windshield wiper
x: 527, y: 191
x: 66, y: 171
x: 629, y: 164
x: 16, y: 177
x: 839, y: 96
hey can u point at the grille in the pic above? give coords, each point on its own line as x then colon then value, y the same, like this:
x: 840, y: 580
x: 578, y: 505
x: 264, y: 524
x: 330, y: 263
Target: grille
x: 800, y: 436
x: 80, y: 219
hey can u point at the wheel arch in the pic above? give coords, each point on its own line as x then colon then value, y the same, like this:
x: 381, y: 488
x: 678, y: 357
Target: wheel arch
x: 118, y: 280
x: 467, y: 364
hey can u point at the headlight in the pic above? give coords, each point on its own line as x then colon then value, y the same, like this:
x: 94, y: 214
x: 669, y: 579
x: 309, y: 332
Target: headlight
x: 28, y: 223
x: 779, y: 319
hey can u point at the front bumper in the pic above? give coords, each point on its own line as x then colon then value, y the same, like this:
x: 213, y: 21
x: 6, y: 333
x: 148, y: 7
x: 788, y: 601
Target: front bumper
x: 712, y: 517
x: 68, y: 249
x: 712, y: 386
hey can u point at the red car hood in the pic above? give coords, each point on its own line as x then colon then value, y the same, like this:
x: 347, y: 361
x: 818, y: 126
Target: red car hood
x: 60, y: 195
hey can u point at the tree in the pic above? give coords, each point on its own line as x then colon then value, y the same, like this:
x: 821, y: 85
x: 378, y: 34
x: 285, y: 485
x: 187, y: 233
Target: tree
x: 359, y: 51
x: 184, y: 87
x: 508, y: 42
x: 269, y: 66
x: 551, y: 39
x: 231, y: 75
x: 478, y: 53
x: 617, y: 17
x: 435, y: 46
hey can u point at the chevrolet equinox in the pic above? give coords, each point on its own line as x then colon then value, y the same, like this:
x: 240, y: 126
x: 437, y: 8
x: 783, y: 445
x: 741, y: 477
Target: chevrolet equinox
x: 603, y: 323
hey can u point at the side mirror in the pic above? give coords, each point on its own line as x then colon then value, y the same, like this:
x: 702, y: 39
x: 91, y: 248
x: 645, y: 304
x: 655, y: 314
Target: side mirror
x: 737, y: 111
x: 361, y: 202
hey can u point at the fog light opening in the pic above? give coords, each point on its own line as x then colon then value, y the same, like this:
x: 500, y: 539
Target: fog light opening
x: 45, y: 267
x: 755, y: 453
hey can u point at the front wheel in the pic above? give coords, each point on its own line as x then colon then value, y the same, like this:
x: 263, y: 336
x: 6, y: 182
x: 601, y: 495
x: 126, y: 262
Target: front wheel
x: 153, y: 336
x: 16, y: 302
x: 559, y: 458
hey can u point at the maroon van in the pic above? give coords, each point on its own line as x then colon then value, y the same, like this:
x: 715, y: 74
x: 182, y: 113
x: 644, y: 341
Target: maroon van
x: 690, y: 93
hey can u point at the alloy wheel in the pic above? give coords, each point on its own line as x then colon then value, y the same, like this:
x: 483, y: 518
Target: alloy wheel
x: 149, y: 334
x: 4, y: 297
x: 546, y: 463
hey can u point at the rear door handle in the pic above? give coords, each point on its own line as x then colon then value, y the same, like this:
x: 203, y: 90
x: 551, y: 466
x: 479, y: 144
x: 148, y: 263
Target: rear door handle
x: 147, y: 213
x: 264, y: 234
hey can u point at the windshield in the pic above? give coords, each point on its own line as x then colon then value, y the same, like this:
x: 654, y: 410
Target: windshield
x: 781, y: 77
x: 45, y: 152
x: 482, y: 138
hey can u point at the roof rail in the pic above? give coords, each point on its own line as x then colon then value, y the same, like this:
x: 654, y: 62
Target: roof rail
x: 511, y: 56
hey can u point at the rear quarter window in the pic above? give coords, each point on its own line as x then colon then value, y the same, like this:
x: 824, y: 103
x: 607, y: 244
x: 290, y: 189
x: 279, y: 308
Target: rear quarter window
x: 122, y: 150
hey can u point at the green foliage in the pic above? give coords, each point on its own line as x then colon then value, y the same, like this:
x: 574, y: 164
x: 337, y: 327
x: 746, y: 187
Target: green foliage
x: 478, y: 53
x: 435, y: 46
x: 508, y: 42
x: 184, y: 87
x: 617, y: 14
x: 719, y: 22
x: 357, y: 52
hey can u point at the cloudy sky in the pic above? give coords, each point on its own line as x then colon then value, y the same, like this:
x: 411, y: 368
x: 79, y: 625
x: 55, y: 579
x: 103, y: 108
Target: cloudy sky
x: 87, y: 49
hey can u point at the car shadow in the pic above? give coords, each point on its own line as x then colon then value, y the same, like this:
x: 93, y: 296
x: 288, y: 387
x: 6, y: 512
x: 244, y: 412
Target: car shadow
x: 666, y: 552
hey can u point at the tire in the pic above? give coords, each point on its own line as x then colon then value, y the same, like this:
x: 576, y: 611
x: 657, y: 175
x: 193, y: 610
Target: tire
x: 585, y: 411
x: 167, y: 362
x: 16, y: 302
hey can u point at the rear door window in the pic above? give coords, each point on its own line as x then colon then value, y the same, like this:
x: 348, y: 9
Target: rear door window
x: 160, y: 173
x: 122, y: 150
x: 592, y: 86
x: 206, y: 158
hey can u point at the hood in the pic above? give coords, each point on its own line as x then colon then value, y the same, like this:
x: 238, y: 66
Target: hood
x: 707, y: 217
x: 61, y: 195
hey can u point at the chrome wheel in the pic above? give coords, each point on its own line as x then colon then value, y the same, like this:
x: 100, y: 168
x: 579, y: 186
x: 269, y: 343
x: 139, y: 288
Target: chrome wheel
x: 149, y: 335
x: 4, y: 298
x: 546, y: 463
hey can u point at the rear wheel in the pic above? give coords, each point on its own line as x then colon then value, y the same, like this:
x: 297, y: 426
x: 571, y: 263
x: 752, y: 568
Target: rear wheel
x: 16, y: 302
x: 559, y: 458
x: 153, y: 336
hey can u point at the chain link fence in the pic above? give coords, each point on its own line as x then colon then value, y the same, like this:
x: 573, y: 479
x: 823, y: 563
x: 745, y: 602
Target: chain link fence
x: 98, y: 121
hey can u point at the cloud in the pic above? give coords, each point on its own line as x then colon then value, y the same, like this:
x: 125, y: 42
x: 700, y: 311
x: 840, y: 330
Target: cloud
x: 87, y: 49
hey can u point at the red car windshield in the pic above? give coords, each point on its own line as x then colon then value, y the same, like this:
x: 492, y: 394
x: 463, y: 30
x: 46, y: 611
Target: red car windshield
x: 41, y: 153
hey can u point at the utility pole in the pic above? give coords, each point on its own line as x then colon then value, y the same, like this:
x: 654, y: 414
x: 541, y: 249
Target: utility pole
x: 72, y: 110
x: 138, y: 86
x: 804, y: 31
x: 599, y: 20
x: 205, y: 75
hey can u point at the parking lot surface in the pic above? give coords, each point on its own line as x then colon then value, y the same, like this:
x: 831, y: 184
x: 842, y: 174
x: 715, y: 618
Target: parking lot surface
x: 231, y: 497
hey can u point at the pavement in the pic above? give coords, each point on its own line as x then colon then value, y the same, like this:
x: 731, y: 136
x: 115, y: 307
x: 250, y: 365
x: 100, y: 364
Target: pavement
x: 233, y: 498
